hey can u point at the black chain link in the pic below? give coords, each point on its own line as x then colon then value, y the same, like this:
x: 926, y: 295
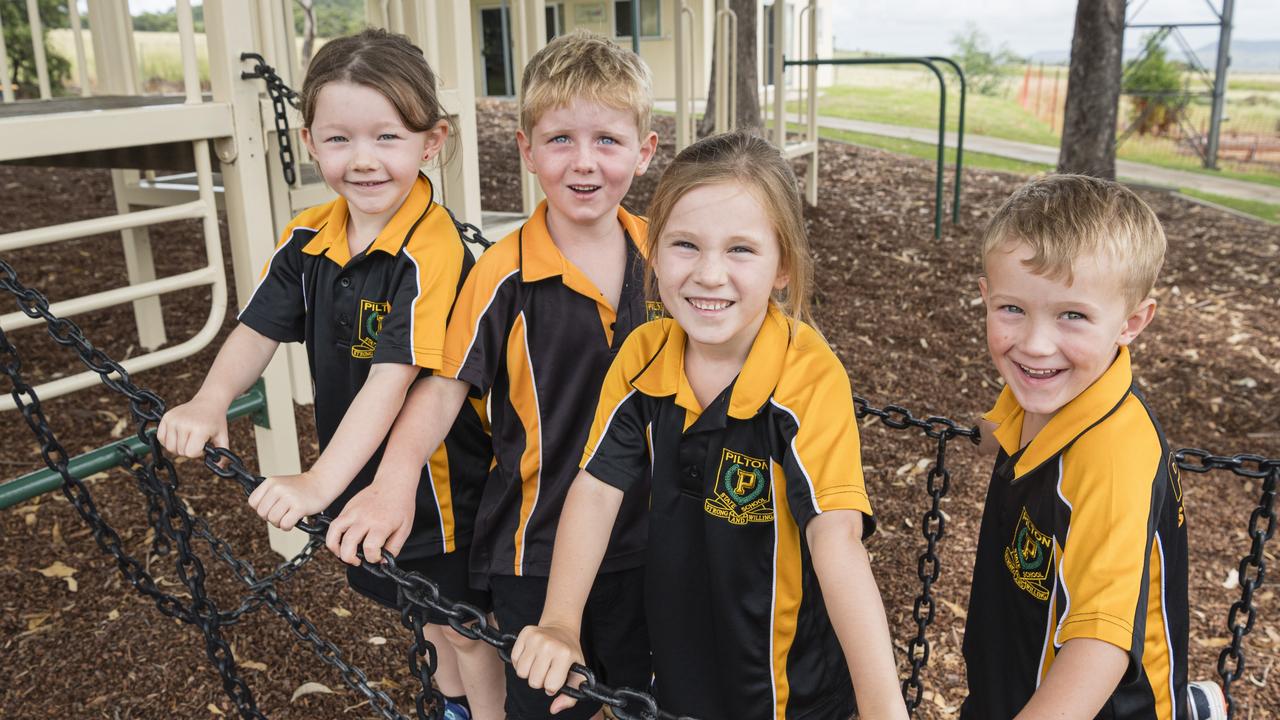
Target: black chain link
x: 279, y: 94
x: 1253, y: 566
x: 423, y: 661
x: 175, y: 527
x: 423, y: 594
x: 933, y: 527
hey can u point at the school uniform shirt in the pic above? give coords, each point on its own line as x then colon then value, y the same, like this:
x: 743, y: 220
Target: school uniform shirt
x: 534, y: 333
x: 1083, y: 536
x: 736, y: 619
x: 387, y: 304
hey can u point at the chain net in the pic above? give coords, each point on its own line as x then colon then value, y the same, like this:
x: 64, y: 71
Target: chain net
x: 175, y: 527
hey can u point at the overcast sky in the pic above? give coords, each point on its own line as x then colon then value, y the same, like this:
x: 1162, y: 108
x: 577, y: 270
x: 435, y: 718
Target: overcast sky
x: 917, y: 27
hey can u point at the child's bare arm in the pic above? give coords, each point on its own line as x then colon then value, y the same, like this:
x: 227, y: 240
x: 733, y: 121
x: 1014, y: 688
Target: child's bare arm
x: 856, y: 611
x: 286, y: 499
x: 381, y: 515
x: 543, y: 654
x: 989, y: 444
x: 185, y: 429
x: 1083, y: 675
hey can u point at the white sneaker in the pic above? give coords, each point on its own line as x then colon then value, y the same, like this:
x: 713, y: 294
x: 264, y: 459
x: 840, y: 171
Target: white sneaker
x: 1206, y: 701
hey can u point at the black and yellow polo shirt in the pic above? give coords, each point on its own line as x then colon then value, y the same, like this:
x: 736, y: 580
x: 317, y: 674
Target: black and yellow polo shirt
x: 1083, y: 536
x: 736, y: 619
x: 533, y: 332
x: 391, y: 304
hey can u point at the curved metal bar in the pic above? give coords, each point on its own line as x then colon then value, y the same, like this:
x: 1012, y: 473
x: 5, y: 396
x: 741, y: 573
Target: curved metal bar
x: 955, y: 201
x: 942, y: 113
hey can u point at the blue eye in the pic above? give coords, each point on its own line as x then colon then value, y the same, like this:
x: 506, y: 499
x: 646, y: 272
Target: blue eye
x: 559, y: 139
x: 1011, y: 309
x: 608, y: 141
x: 1073, y: 315
x: 388, y: 136
x: 336, y: 139
x: 741, y: 249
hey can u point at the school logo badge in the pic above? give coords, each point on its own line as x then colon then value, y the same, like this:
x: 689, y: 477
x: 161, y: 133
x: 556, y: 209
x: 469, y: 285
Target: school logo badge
x: 742, y: 491
x: 368, y: 327
x: 1029, y: 558
x: 654, y: 310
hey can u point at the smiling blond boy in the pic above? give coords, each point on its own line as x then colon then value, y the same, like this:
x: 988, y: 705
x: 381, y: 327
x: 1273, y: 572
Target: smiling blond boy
x: 1079, y: 600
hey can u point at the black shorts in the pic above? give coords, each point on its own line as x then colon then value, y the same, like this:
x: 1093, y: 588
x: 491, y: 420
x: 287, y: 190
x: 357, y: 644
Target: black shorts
x: 615, y: 640
x: 449, y: 571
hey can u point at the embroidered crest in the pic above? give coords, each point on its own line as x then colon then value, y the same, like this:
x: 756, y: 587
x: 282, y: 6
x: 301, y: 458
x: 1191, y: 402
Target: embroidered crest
x: 742, y: 491
x: 1029, y: 558
x: 368, y: 328
x: 654, y: 310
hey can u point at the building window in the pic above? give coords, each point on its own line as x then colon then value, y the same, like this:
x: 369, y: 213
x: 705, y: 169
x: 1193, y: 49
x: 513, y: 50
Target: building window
x: 649, y: 14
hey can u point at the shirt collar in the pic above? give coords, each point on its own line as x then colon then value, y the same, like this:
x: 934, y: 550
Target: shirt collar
x: 664, y: 375
x: 331, y: 240
x: 541, y: 259
x: 1070, y: 422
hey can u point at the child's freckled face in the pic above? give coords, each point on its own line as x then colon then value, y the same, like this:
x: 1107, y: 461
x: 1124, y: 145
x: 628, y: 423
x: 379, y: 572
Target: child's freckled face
x: 1050, y: 340
x: 365, y: 152
x: 717, y: 263
x: 585, y: 156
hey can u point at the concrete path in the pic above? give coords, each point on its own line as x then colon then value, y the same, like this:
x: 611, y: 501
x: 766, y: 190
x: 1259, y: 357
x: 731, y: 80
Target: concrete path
x: 1047, y: 155
x: 1126, y: 169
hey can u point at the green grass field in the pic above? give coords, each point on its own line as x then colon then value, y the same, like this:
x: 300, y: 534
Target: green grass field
x: 1264, y: 211
x: 909, y: 97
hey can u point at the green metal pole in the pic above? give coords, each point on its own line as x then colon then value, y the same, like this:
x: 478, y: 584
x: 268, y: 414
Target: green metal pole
x: 106, y: 457
x: 942, y: 114
x: 955, y: 204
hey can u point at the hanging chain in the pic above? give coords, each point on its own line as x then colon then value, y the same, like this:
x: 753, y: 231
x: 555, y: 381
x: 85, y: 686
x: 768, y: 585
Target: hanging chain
x: 933, y: 527
x: 279, y: 94
x: 429, y: 701
x: 1253, y: 566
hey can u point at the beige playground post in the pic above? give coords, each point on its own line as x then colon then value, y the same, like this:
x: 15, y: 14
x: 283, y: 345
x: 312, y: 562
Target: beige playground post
x: 6, y: 92
x: 726, y: 49
x: 806, y: 95
x: 228, y: 25
x: 528, y: 36
x: 685, y: 74
x: 37, y: 49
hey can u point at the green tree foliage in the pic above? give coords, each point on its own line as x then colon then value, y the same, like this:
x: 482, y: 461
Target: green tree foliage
x: 21, y: 55
x: 334, y: 18
x: 1157, y: 97
x: 981, y: 62
x: 167, y: 21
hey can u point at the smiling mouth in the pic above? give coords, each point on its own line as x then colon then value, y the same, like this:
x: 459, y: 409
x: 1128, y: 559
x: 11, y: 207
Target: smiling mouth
x: 584, y: 189
x: 708, y: 305
x: 1035, y: 374
x: 368, y: 183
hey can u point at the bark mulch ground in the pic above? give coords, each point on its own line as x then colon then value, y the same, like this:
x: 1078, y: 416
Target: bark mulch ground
x: 901, y: 309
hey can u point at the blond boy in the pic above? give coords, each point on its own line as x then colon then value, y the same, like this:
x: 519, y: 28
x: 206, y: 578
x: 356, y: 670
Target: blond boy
x: 536, y: 327
x: 1079, y: 599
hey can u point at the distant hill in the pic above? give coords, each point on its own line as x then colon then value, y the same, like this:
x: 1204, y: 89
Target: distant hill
x: 1246, y: 55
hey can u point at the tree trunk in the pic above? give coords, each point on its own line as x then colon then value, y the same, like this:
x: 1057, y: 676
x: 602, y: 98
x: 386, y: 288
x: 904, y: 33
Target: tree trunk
x: 1093, y: 90
x: 748, y: 80
x: 308, y: 29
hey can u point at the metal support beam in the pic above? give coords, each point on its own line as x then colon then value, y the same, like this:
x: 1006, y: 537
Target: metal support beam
x: 1220, y: 84
x: 25, y: 487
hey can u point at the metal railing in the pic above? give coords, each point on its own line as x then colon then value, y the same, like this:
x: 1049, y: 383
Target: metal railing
x: 203, y: 208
